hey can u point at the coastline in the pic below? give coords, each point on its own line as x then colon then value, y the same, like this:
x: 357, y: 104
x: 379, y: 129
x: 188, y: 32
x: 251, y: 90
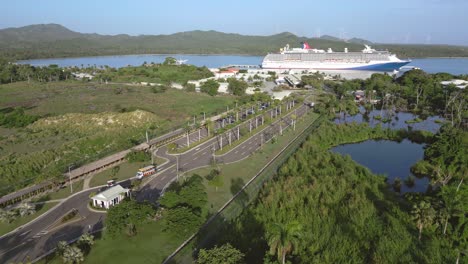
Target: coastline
x: 190, y: 54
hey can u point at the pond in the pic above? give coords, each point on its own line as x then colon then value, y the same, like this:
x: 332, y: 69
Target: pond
x: 390, y: 158
x: 398, y: 121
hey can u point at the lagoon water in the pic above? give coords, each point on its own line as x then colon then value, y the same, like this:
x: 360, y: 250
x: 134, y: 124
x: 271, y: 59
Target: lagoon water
x: 432, y: 65
x: 393, y: 159
x: 398, y: 120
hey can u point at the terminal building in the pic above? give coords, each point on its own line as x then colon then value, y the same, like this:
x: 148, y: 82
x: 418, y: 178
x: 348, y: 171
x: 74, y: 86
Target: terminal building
x: 110, y: 197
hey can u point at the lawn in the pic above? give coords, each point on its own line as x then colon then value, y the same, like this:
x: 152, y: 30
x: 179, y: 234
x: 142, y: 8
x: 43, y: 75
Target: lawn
x: 150, y: 245
x: 65, y: 191
x: 5, y: 228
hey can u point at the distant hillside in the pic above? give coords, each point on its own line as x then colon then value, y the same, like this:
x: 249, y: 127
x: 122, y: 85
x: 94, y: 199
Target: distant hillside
x: 52, y: 40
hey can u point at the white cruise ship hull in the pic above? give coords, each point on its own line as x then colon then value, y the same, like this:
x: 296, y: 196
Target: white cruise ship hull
x: 317, y: 65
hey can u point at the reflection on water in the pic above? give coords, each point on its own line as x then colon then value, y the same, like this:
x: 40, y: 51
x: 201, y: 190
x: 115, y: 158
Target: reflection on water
x: 393, y: 159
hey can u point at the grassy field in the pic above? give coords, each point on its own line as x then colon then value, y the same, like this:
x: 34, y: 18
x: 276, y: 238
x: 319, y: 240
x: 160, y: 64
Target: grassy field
x: 57, y: 98
x: 86, y: 121
x: 150, y: 245
x: 5, y: 228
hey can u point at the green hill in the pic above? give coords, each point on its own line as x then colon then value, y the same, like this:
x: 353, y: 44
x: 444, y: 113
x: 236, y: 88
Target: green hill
x: 52, y: 40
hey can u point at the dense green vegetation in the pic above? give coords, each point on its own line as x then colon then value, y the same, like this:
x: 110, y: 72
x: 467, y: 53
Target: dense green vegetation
x: 210, y: 87
x: 184, y: 207
x: 155, y: 73
x: 324, y: 208
x: 10, y: 72
x: 127, y: 217
x: 48, y: 41
x: 414, y: 91
x: 16, y: 118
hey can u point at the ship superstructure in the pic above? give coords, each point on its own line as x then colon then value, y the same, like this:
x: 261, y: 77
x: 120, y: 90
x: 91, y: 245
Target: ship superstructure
x: 307, y: 58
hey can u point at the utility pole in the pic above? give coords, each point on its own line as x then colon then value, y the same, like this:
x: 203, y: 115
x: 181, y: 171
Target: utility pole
x: 261, y: 139
x: 69, y: 177
x: 221, y: 141
x: 147, y: 139
x: 238, y: 138
x: 177, y: 166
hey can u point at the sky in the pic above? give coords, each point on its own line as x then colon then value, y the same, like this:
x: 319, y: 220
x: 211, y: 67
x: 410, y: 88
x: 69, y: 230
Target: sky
x: 383, y: 21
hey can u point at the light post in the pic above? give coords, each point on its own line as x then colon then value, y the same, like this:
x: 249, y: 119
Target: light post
x: 69, y: 177
x: 177, y: 166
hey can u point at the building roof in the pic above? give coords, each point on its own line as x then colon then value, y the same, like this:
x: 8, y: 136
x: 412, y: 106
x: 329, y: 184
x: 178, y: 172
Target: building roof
x: 110, y: 193
x: 462, y: 84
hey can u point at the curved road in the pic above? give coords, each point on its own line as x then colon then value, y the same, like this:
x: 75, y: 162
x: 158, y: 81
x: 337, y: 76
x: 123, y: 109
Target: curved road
x: 39, y: 237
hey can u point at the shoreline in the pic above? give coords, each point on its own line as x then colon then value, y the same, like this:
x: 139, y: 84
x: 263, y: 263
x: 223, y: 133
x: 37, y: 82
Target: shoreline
x: 187, y: 54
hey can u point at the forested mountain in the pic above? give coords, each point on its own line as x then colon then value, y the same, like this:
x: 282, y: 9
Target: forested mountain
x: 52, y: 40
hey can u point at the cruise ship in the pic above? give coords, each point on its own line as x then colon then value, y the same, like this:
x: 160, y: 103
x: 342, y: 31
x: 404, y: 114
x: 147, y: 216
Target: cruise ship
x: 307, y: 58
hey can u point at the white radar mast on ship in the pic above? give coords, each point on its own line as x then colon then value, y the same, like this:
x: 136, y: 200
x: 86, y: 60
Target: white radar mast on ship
x: 368, y: 49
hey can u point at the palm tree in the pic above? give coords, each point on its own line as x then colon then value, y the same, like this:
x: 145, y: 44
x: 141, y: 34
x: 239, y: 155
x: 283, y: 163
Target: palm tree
x: 283, y: 238
x: 73, y: 255
x: 423, y: 214
x: 7, y: 216
x: 61, y: 247
x: 209, y: 126
x: 26, y: 209
x: 86, y: 241
x: 3, y: 216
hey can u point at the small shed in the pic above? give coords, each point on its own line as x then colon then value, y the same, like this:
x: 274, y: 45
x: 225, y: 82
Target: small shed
x: 110, y: 197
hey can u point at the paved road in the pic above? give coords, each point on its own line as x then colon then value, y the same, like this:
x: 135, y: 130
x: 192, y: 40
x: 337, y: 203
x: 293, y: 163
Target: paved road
x: 38, y: 237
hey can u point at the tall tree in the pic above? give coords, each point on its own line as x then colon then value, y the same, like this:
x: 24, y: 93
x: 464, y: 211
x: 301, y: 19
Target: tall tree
x: 423, y: 214
x: 283, y: 238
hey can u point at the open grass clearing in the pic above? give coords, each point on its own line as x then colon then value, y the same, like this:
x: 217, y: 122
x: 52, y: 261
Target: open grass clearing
x: 150, y: 245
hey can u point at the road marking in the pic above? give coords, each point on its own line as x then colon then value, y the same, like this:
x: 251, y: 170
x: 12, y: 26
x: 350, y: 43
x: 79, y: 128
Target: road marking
x: 235, y: 152
x: 197, y: 149
x: 164, y: 177
x: 195, y: 158
x: 242, y: 154
x: 25, y: 233
x: 204, y: 153
x: 185, y: 164
x: 173, y: 171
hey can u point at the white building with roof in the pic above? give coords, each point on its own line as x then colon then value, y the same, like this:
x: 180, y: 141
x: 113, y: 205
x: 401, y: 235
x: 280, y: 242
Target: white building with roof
x: 110, y: 197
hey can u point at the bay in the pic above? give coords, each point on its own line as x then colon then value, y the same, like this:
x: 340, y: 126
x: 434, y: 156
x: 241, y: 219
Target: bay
x: 454, y: 66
